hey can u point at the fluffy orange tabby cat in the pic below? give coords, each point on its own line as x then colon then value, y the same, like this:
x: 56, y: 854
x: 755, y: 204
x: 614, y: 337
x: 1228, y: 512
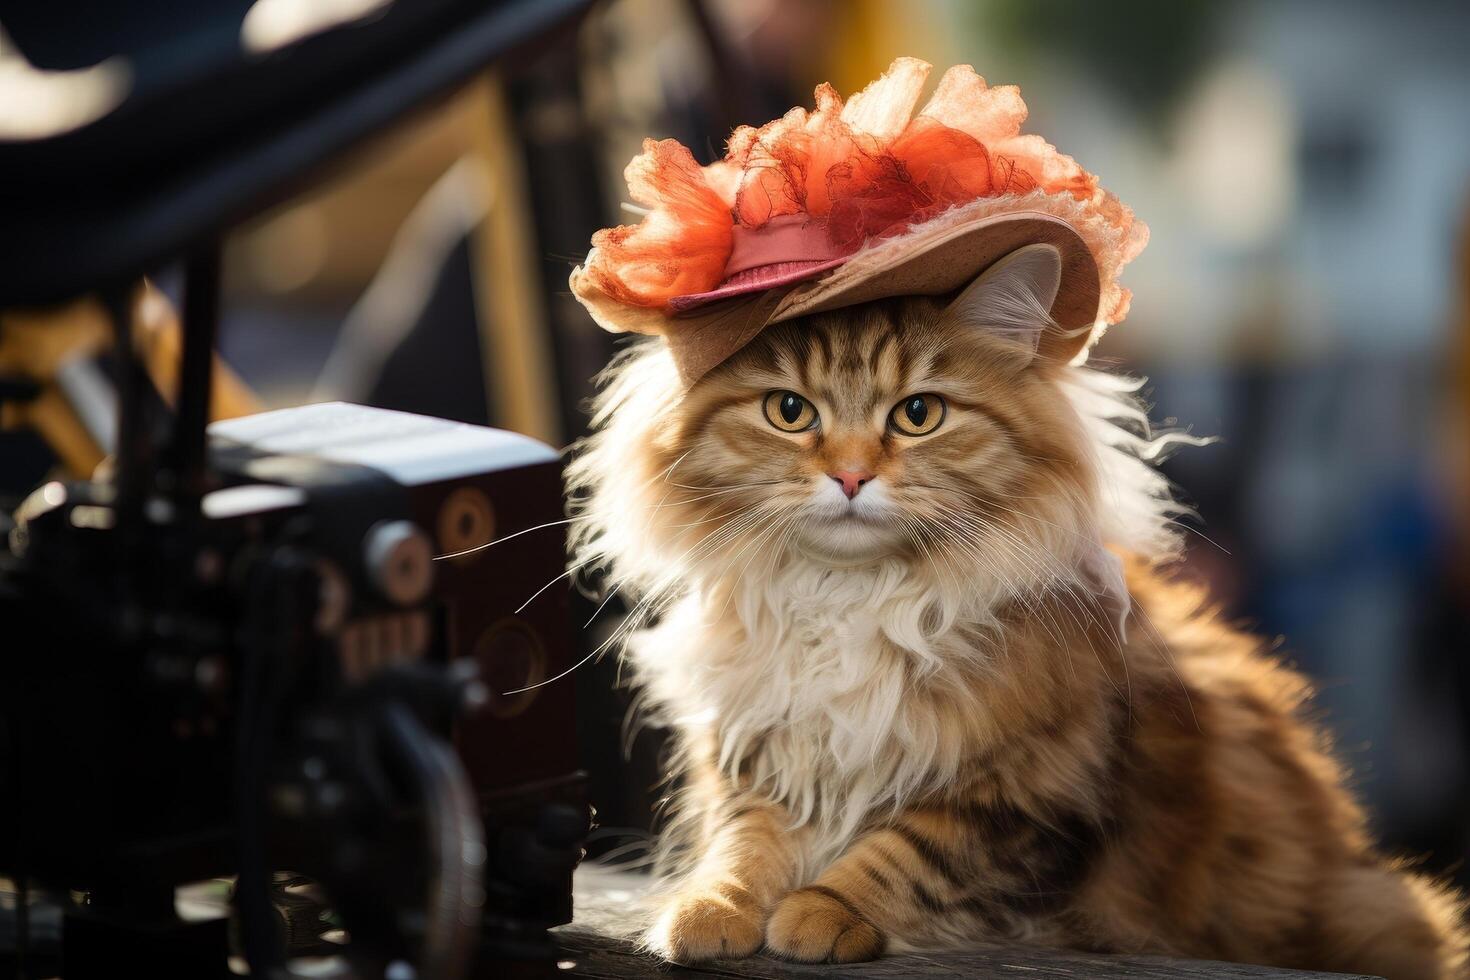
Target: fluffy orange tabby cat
x: 927, y: 686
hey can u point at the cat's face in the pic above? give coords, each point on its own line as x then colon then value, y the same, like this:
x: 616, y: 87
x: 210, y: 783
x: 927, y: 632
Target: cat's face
x: 937, y: 432
x: 878, y: 430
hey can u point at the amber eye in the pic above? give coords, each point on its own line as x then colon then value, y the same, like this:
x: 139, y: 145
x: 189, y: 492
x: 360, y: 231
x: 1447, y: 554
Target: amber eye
x: 789, y: 412
x: 917, y: 415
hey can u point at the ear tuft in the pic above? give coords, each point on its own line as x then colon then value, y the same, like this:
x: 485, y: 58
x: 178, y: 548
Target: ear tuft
x: 1012, y: 299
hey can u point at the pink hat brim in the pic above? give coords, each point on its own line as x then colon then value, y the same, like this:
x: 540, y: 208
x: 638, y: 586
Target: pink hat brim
x: 757, y: 280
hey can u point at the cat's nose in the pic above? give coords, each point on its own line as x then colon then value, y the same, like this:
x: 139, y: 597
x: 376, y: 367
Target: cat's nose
x: 851, y: 480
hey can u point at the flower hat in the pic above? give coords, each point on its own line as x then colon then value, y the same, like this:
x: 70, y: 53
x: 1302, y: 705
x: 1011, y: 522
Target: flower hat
x: 852, y: 202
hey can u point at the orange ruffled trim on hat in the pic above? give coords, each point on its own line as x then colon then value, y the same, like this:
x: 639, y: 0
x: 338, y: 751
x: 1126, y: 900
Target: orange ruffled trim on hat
x: 869, y: 169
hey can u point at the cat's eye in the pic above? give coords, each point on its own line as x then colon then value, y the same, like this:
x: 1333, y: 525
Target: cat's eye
x: 917, y: 415
x: 789, y: 412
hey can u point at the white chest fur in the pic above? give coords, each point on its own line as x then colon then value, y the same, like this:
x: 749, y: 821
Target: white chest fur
x: 829, y: 688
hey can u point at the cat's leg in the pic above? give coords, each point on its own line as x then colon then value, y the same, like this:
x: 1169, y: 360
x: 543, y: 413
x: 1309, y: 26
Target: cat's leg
x: 881, y: 887
x: 720, y: 910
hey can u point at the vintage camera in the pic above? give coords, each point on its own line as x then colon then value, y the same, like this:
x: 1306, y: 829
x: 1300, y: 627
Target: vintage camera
x: 292, y: 650
x: 272, y: 682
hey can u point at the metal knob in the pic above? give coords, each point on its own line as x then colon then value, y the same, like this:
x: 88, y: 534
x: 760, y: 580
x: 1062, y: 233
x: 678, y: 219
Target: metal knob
x: 400, y: 561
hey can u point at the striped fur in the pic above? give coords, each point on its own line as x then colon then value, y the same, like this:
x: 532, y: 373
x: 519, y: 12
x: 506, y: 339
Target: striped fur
x: 929, y: 726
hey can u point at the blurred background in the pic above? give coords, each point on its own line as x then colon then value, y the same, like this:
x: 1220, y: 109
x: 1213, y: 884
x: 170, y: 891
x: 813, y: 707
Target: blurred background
x: 1304, y: 168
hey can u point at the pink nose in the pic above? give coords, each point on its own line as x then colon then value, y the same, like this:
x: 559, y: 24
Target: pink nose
x: 852, y: 480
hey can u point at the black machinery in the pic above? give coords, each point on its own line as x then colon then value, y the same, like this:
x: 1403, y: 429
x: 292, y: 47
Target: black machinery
x: 288, y: 648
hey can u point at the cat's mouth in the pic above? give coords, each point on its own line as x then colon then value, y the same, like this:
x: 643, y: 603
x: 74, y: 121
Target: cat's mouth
x: 846, y: 539
x: 854, y: 530
x: 853, y: 516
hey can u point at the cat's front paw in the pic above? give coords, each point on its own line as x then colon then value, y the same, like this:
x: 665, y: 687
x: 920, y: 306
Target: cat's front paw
x: 817, y: 925
x: 723, y: 922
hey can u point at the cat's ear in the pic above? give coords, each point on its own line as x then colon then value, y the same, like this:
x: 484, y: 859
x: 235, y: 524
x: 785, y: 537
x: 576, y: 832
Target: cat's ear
x: 1012, y: 299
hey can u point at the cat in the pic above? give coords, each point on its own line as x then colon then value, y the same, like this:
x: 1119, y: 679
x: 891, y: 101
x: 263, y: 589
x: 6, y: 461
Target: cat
x: 900, y: 601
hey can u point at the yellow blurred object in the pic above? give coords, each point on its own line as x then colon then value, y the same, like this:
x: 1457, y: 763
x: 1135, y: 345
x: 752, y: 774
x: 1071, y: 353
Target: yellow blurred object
x: 157, y: 334
x: 513, y: 343
x: 57, y: 348
x: 37, y: 343
x: 871, y: 33
x: 42, y: 346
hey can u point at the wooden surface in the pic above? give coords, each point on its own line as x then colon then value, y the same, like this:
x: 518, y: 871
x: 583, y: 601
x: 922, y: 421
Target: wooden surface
x: 612, y: 908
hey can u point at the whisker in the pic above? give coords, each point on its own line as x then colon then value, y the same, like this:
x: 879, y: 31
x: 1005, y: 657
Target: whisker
x: 571, y: 570
x: 733, y: 486
x: 508, y: 537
